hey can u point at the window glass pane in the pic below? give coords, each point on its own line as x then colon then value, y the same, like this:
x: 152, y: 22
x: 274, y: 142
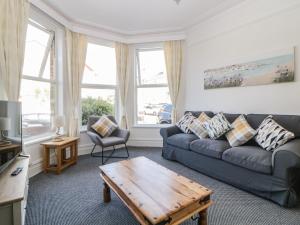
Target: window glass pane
x: 100, y: 65
x: 97, y: 102
x: 36, y: 44
x: 36, y: 107
x: 152, y: 68
x: 46, y: 73
x: 154, y: 109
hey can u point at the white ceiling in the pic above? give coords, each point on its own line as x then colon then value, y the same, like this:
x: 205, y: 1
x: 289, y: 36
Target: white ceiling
x: 139, y: 16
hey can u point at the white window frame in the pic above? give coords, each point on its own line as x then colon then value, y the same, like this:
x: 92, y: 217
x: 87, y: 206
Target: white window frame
x: 45, y: 57
x: 42, y: 69
x: 40, y: 20
x: 100, y: 86
x: 137, y: 49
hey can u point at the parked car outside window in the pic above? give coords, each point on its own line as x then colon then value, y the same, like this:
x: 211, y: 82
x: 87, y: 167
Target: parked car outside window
x: 165, y: 114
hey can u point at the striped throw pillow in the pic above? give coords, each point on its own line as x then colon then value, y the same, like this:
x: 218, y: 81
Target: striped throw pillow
x: 241, y: 133
x: 197, y: 128
x: 217, y: 126
x: 184, y: 122
x: 271, y: 135
x: 104, y: 126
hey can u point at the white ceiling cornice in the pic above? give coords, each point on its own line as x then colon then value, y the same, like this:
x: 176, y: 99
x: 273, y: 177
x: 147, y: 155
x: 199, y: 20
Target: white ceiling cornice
x: 135, y: 36
x: 98, y: 31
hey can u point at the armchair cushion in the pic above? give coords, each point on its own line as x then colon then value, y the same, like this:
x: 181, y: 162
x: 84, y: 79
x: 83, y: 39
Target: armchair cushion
x: 104, y: 126
x: 110, y: 141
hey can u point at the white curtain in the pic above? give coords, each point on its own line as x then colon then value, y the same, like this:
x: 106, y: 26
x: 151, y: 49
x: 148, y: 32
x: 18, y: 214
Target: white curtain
x: 76, y: 45
x: 173, y: 58
x: 13, y: 27
x: 123, y: 65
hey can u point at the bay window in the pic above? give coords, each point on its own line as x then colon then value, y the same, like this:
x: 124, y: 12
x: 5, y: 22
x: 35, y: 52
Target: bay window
x: 153, y: 104
x: 98, y: 89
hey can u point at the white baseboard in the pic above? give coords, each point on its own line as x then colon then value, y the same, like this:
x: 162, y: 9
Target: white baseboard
x: 87, y: 148
x: 37, y: 166
x: 145, y: 142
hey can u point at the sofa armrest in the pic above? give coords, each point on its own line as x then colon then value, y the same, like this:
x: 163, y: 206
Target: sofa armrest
x: 169, y: 131
x: 286, y: 159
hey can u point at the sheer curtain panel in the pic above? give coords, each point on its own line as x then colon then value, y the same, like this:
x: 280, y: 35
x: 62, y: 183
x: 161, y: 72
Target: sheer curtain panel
x: 173, y: 58
x: 123, y: 64
x: 76, y: 45
x: 13, y: 26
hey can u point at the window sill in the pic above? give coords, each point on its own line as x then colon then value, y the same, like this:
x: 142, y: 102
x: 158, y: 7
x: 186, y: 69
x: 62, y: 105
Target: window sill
x: 83, y: 131
x: 38, y: 139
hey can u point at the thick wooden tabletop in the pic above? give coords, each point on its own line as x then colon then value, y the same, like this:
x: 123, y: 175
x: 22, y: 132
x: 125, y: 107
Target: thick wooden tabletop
x: 66, y: 140
x: 155, y: 190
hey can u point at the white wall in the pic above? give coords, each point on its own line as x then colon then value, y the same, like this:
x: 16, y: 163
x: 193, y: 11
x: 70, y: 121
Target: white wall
x: 245, y: 32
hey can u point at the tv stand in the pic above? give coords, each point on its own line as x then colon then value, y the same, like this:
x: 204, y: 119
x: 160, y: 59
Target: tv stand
x: 13, y: 194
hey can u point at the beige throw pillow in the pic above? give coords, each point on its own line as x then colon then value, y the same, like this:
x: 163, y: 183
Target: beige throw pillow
x: 241, y: 133
x: 104, y: 126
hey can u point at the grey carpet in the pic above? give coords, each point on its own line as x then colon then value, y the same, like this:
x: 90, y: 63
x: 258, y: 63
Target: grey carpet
x: 75, y: 198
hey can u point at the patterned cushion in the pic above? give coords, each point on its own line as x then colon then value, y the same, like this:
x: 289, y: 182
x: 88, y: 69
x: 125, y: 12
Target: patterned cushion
x: 184, y: 122
x: 203, y: 117
x: 104, y: 126
x: 241, y: 133
x: 217, y: 126
x: 271, y: 135
x: 197, y: 128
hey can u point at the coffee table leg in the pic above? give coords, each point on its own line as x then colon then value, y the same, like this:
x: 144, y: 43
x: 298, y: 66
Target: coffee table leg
x: 202, y: 217
x: 106, y: 193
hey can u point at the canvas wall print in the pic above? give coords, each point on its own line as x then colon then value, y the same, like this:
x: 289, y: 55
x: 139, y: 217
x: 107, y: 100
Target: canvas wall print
x: 276, y: 69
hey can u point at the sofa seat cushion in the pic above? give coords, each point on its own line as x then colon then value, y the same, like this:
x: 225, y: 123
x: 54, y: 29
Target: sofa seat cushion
x: 250, y: 157
x: 209, y: 147
x: 181, y: 140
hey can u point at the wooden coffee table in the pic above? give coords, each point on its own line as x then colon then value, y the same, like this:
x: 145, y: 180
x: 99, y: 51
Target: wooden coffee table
x: 154, y: 194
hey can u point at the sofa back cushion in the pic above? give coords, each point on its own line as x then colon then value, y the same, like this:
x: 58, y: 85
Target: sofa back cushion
x: 289, y: 122
x: 197, y: 113
x: 231, y: 117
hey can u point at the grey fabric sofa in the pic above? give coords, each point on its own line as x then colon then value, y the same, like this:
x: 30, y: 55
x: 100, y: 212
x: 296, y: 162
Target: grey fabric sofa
x: 271, y: 175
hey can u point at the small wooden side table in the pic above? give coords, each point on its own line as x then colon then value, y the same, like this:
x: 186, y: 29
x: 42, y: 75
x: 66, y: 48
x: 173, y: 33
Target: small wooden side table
x: 60, y: 148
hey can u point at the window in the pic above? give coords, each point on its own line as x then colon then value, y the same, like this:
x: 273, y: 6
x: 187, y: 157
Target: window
x: 153, y: 99
x: 38, y: 81
x: 98, y: 92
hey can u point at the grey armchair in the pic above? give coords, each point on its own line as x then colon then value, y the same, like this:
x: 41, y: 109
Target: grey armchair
x: 118, y: 137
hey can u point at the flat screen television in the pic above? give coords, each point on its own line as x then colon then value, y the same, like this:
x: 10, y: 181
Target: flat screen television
x: 10, y: 132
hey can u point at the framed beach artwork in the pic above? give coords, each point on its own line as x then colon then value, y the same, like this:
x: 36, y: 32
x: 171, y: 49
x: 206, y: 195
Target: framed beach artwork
x: 278, y: 68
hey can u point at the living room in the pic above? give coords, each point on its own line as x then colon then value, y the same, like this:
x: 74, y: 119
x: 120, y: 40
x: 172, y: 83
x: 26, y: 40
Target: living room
x: 149, y: 112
